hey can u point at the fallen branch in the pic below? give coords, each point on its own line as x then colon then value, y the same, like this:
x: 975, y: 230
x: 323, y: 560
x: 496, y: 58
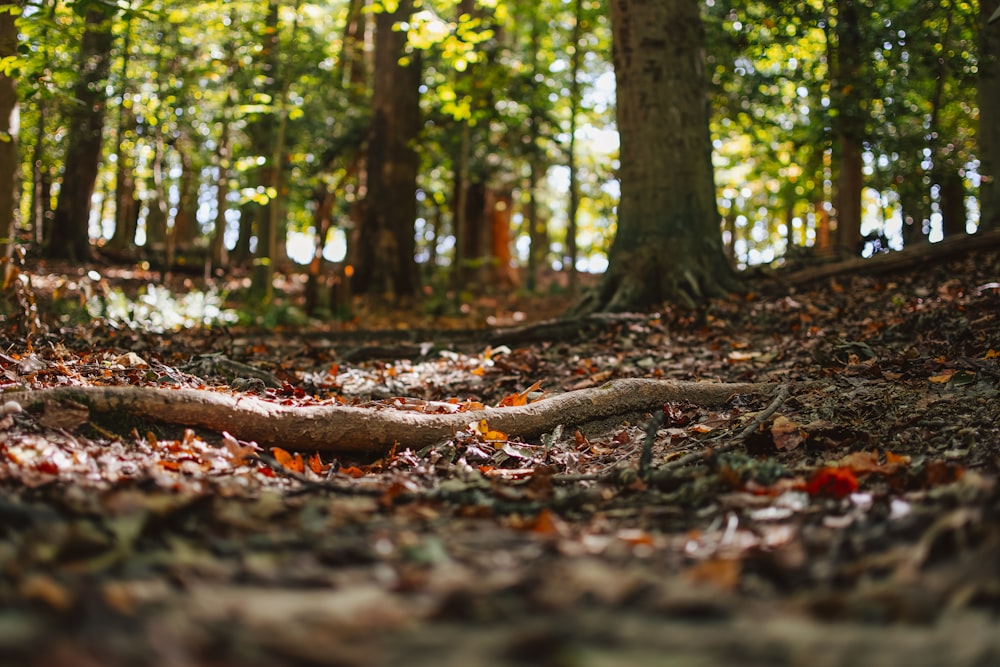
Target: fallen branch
x: 919, y: 255
x: 372, y: 432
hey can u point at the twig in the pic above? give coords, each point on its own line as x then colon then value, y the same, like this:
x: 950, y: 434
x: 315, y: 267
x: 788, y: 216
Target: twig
x: 780, y: 397
x: 646, y: 457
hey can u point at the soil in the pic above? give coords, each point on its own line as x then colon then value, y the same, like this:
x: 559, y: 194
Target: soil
x: 849, y: 514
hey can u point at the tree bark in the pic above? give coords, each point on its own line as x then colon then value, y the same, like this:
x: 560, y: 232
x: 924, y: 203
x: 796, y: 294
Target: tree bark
x: 669, y: 241
x: 384, y: 261
x: 846, y: 70
x: 988, y: 132
x: 70, y: 227
x: 952, y: 198
x: 8, y: 132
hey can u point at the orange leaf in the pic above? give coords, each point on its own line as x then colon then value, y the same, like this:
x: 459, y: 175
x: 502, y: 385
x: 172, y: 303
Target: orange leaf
x: 488, y: 435
x: 721, y: 572
x: 316, y: 464
x: 520, y: 398
x: 945, y: 376
x: 352, y: 471
x: 289, y: 462
x: 543, y: 524
x: 899, y: 459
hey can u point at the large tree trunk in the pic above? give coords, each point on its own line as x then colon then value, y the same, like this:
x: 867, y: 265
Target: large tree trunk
x: 669, y: 241
x: 989, y: 117
x: 70, y: 234
x: 383, y: 254
x: 8, y: 133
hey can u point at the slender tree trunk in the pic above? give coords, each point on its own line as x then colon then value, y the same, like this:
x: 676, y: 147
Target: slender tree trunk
x: 70, y: 235
x: 219, y: 253
x: 185, y: 229
x: 988, y: 129
x: 847, y: 202
x: 846, y: 71
x: 574, y: 108
x: 536, y: 238
x: 669, y: 241
x: 385, y: 264
x: 264, y: 140
x: 952, y: 198
x: 40, y: 209
x: 156, y: 213
x: 126, y: 199
x: 8, y: 133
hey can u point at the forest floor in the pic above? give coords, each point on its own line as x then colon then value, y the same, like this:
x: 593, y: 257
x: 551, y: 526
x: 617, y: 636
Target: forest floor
x: 846, y: 513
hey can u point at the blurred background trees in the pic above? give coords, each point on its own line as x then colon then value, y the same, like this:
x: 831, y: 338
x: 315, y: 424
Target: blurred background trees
x: 400, y: 148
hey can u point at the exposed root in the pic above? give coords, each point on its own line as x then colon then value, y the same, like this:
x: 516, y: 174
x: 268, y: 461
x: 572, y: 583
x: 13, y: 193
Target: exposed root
x: 373, y: 432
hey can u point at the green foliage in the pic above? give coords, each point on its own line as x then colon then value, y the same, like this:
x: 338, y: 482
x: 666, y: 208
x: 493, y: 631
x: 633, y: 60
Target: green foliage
x: 157, y: 309
x: 496, y: 100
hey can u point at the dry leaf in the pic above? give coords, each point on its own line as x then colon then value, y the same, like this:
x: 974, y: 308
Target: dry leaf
x: 943, y: 377
x: 786, y: 433
x: 288, y: 462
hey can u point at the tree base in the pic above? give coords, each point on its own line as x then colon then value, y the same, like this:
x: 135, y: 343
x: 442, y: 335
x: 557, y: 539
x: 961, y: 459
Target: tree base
x: 683, y: 273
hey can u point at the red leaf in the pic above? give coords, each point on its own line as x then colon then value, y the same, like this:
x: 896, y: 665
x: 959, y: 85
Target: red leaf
x: 832, y: 482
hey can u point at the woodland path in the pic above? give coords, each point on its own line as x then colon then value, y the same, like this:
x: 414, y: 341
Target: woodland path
x: 848, y: 514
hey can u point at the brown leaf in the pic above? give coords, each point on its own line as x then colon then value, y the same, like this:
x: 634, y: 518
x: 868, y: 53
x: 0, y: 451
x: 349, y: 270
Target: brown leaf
x: 786, y: 433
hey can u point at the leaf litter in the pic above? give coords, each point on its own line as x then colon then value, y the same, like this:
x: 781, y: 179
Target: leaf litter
x: 854, y: 515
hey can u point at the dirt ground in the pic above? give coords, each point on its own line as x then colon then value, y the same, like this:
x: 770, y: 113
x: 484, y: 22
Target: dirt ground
x: 846, y: 515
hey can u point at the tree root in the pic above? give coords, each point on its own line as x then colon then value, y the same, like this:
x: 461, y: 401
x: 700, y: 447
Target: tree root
x: 374, y: 432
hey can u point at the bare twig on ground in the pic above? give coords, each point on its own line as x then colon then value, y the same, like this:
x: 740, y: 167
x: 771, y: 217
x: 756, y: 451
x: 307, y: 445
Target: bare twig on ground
x: 780, y: 397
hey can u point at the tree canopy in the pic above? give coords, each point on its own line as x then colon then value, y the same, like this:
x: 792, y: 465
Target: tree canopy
x: 240, y: 132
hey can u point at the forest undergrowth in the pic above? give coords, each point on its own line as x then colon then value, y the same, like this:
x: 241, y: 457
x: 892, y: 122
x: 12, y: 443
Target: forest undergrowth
x: 845, y: 511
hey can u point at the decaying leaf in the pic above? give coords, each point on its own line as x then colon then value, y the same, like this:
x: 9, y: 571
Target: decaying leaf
x: 786, y: 433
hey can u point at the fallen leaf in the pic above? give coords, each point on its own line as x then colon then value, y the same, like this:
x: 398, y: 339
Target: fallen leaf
x: 723, y: 573
x: 237, y: 450
x: 943, y: 377
x: 520, y: 398
x: 45, y: 589
x: 786, y: 433
x: 832, y: 482
x: 316, y: 464
x: 482, y: 429
x: 131, y: 360
x: 289, y: 462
